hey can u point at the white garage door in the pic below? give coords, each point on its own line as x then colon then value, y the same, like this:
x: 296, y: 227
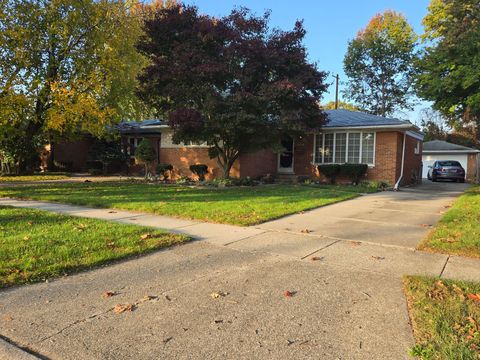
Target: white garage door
x: 428, y: 160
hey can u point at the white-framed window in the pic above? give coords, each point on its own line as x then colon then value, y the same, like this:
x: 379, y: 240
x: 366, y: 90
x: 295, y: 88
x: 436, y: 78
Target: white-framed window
x: 417, y: 148
x: 132, y: 145
x: 356, y: 147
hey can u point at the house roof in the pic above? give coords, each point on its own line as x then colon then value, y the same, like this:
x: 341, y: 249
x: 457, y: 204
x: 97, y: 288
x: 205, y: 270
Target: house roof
x: 444, y: 146
x: 335, y: 119
x: 342, y: 118
x: 150, y: 126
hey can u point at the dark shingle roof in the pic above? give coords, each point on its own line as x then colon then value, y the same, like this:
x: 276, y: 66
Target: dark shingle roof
x: 439, y: 145
x: 140, y: 127
x: 346, y: 118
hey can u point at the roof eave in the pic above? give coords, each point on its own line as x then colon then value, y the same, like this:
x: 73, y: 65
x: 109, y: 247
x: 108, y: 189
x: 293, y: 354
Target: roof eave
x: 473, y: 151
x: 359, y: 127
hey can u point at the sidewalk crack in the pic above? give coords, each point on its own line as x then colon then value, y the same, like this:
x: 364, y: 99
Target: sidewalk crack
x: 444, y: 265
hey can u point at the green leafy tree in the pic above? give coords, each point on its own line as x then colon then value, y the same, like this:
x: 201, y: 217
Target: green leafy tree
x: 107, y: 153
x: 379, y: 65
x: 145, y: 154
x: 229, y: 82
x: 341, y: 105
x: 449, y: 67
x: 433, y: 125
x: 66, y: 66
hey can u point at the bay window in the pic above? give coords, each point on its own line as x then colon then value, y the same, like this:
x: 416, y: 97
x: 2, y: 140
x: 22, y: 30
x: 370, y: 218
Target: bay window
x: 345, y: 147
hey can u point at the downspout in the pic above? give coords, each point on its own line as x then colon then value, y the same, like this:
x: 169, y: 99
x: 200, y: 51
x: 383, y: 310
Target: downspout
x: 397, y: 184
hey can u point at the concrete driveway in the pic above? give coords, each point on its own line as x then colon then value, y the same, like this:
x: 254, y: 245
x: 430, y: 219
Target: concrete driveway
x: 387, y: 218
x: 215, y: 300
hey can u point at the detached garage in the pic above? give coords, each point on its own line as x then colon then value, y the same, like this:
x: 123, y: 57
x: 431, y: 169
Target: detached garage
x: 442, y: 150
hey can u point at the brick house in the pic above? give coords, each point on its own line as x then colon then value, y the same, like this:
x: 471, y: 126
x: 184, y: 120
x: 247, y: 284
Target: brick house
x: 392, y: 149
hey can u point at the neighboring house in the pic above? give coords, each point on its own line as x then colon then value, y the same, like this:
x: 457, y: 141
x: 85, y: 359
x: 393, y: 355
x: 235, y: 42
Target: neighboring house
x: 441, y: 150
x: 392, y: 149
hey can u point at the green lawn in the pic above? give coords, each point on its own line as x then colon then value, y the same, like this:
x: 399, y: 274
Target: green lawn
x: 445, y: 318
x: 35, y: 245
x: 458, y: 232
x: 33, y: 178
x: 235, y: 205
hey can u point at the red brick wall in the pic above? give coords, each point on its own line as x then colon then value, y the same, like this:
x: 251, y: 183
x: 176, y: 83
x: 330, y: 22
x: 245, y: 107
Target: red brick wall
x: 181, y: 158
x: 258, y: 163
x: 73, y: 152
x: 303, y: 155
x: 412, y: 169
x: 388, y: 155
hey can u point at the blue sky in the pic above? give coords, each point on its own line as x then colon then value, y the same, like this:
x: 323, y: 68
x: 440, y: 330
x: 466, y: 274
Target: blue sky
x: 330, y: 24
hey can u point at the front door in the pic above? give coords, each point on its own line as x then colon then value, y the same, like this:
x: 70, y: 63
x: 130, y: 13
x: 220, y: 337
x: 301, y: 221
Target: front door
x: 285, y: 159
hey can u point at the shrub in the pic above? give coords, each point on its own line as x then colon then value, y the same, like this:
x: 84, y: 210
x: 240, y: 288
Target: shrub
x: 183, y: 180
x: 104, y: 153
x: 221, y: 182
x: 200, y: 170
x: 267, y: 179
x: 95, y: 172
x: 354, y: 171
x: 164, y: 170
x: 246, y: 181
x: 331, y: 171
x: 66, y: 166
x: 376, y: 184
x: 145, y: 154
x: 304, y: 179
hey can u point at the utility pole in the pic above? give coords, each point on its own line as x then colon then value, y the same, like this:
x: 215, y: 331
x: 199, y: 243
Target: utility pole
x: 336, y: 92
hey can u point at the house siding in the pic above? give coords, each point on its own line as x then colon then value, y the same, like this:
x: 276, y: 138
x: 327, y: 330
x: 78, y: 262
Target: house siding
x: 182, y: 157
x: 388, y: 157
x: 412, y: 170
x: 258, y: 163
x: 73, y: 154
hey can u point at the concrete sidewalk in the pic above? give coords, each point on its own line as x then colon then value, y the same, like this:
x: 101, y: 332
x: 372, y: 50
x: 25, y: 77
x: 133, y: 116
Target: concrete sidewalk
x: 345, y: 273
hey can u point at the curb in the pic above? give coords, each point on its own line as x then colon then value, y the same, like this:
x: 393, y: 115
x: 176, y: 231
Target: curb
x: 9, y: 351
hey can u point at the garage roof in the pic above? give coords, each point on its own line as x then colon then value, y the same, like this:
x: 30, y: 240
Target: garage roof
x: 445, y: 147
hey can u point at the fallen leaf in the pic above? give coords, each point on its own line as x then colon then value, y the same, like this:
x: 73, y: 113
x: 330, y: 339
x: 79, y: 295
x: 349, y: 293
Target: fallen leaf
x: 355, y: 243
x: 287, y: 293
x: 425, y: 225
x: 316, y: 258
x: 166, y: 340
x: 108, y: 294
x: 306, y: 231
x: 378, y: 257
x: 148, y: 298
x: 26, y: 238
x: 120, y: 308
x: 30, y: 223
x: 81, y: 227
x: 112, y: 212
x: 7, y: 317
x: 168, y: 298
x: 474, y: 297
x: 217, y: 294
x: 458, y: 291
x: 146, y: 236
